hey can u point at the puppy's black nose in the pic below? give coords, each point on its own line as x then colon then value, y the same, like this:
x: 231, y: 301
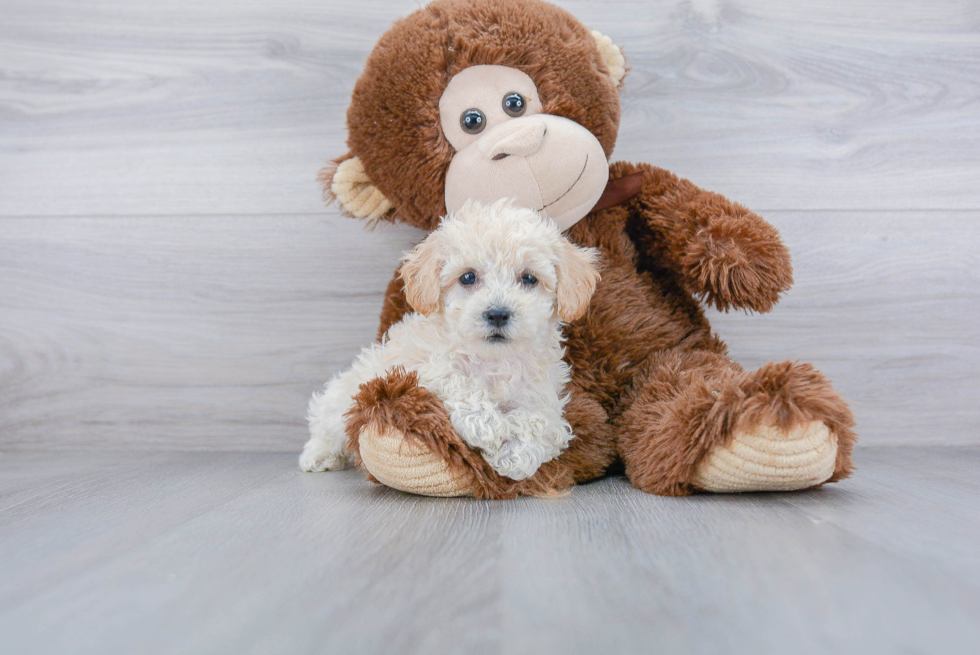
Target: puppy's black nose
x: 497, y: 316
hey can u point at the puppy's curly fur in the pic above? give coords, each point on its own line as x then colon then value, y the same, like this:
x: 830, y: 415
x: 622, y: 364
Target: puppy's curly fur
x: 490, y: 289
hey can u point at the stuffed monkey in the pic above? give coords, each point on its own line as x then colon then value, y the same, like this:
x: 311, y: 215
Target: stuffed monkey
x: 515, y: 98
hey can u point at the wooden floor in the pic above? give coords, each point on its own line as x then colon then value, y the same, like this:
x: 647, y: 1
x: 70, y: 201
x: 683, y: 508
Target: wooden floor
x: 241, y: 553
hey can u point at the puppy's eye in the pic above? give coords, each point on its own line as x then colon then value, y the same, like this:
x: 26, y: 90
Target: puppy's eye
x: 468, y: 278
x: 514, y: 104
x: 528, y: 280
x: 472, y: 121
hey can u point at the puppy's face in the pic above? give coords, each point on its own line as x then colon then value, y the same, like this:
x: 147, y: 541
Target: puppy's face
x: 498, y: 300
x: 501, y: 275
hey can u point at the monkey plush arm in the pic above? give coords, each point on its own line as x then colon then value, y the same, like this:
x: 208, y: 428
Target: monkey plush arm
x: 722, y: 252
x: 395, y: 305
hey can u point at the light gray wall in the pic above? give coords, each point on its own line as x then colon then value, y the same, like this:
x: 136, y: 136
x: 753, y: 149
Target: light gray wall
x: 169, y: 277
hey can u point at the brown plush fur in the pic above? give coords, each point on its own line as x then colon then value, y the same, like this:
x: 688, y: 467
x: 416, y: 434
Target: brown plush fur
x: 651, y: 388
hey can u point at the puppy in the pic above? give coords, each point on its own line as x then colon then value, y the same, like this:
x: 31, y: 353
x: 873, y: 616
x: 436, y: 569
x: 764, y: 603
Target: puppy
x: 490, y: 289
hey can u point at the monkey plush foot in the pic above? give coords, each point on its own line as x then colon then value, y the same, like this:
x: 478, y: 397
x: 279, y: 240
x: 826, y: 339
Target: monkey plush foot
x: 769, y: 459
x: 701, y: 423
x: 401, y: 435
x: 789, y: 430
x: 410, y: 466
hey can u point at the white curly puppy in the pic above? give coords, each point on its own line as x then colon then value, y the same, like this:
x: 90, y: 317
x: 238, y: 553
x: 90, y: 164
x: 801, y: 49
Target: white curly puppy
x: 490, y: 287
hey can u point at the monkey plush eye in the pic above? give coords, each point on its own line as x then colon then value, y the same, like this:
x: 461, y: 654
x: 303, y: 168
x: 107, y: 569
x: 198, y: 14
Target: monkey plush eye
x: 514, y: 104
x: 467, y: 278
x: 472, y: 121
x: 528, y: 280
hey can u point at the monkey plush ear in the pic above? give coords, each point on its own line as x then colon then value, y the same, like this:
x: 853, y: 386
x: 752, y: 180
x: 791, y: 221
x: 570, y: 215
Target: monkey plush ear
x: 420, y: 272
x: 345, y: 181
x: 612, y: 55
x: 578, y: 274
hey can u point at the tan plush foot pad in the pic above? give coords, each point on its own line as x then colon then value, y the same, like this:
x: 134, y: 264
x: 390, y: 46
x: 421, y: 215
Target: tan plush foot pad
x: 402, y: 465
x: 766, y: 459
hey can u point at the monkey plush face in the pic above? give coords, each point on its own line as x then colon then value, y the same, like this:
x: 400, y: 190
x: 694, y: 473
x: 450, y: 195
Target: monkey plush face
x: 507, y: 148
x: 481, y: 99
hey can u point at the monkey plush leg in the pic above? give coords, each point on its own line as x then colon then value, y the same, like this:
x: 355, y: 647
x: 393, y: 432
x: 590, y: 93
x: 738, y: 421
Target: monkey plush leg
x: 700, y: 423
x: 400, y: 433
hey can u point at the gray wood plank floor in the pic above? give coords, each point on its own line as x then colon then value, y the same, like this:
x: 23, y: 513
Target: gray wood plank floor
x: 241, y: 553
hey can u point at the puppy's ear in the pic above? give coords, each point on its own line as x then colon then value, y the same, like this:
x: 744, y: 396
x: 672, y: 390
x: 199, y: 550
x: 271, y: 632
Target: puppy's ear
x: 420, y: 272
x: 578, y: 274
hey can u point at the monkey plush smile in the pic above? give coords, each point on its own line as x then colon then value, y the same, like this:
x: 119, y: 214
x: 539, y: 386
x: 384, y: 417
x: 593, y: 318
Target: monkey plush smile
x: 577, y: 179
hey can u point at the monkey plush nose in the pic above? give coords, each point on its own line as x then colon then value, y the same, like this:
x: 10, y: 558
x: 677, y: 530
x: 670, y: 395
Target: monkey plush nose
x: 497, y: 316
x: 520, y: 136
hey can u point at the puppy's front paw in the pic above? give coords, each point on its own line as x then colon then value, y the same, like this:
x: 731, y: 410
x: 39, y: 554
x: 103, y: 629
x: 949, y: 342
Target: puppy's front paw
x: 319, y: 456
x: 535, y: 438
x: 480, y: 428
x: 515, y: 460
